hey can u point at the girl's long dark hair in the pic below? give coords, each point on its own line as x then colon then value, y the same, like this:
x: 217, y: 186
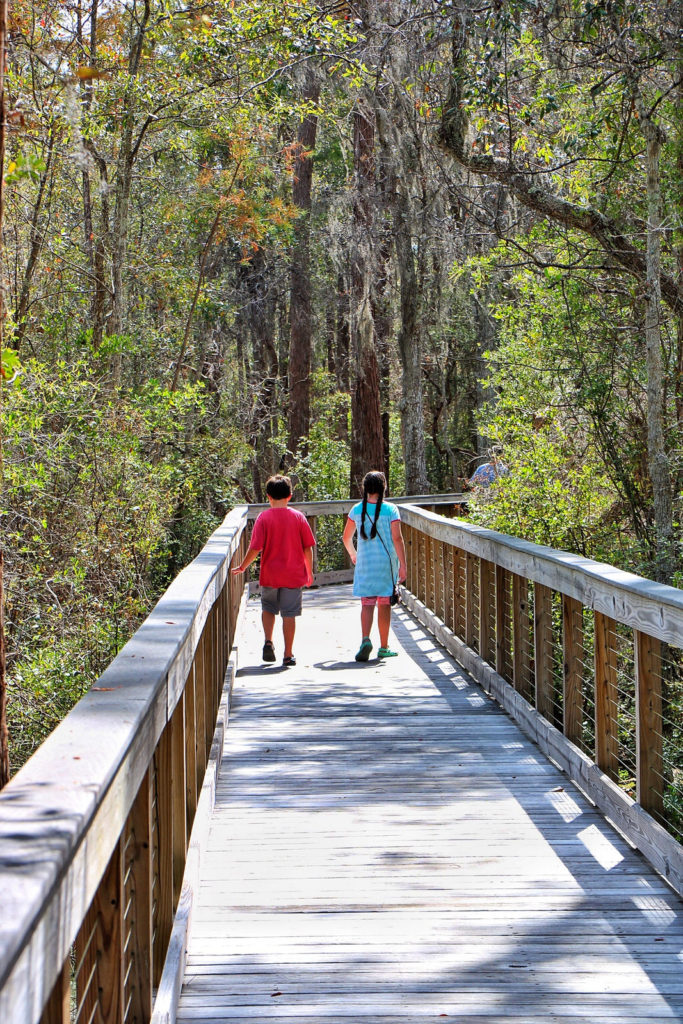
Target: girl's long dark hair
x: 373, y: 483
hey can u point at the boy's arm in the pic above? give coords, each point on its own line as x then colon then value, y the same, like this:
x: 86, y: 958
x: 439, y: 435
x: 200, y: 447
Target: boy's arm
x: 347, y: 538
x: 251, y: 556
x: 397, y: 538
x: 308, y: 558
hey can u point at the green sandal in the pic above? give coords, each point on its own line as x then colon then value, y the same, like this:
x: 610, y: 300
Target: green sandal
x: 364, y: 649
x: 384, y: 652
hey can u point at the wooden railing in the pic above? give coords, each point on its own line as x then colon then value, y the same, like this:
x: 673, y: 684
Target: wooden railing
x: 94, y: 829
x: 586, y: 657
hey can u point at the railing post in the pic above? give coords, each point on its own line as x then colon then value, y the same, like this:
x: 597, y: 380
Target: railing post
x: 439, y: 575
x: 139, y: 886
x: 200, y: 709
x: 313, y: 523
x: 521, y: 668
x: 503, y: 623
x: 543, y: 650
x: 572, y: 620
x: 486, y: 602
x: 429, y: 573
x: 449, y: 587
x: 649, y: 753
x: 470, y: 607
x: 459, y: 597
x: 606, y: 696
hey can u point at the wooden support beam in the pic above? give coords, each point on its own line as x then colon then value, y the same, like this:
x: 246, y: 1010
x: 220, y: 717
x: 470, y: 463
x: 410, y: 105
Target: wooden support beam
x: 572, y: 641
x: 649, y: 749
x: 606, y: 697
x: 200, y: 710
x: 543, y: 651
x: 439, y: 575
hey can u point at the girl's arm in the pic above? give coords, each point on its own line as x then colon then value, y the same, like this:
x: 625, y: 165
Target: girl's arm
x: 347, y: 538
x: 397, y: 538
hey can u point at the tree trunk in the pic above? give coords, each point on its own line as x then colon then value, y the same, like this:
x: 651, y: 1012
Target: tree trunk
x: 124, y: 179
x: 658, y: 459
x: 300, y: 341
x: 367, y: 443
x: 410, y: 349
x: 37, y: 239
x: 4, y: 738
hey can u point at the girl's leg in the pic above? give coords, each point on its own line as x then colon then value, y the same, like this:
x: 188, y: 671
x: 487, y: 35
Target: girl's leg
x: 384, y: 622
x: 367, y: 613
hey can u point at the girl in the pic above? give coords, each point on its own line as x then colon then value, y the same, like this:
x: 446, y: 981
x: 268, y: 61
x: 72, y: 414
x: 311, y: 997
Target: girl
x: 380, y: 560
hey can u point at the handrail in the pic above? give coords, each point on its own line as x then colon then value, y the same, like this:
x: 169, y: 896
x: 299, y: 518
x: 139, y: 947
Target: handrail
x: 93, y: 835
x: 587, y: 657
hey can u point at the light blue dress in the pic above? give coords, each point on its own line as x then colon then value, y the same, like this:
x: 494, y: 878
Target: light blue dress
x: 373, y: 575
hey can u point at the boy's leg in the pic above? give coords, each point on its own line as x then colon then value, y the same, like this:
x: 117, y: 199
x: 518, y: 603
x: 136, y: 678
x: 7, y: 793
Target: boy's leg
x: 268, y: 620
x: 288, y: 630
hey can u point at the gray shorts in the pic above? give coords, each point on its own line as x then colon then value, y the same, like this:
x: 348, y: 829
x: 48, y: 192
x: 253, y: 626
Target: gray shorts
x: 285, y: 600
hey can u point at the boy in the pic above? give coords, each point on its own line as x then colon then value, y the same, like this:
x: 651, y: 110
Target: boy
x: 285, y: 541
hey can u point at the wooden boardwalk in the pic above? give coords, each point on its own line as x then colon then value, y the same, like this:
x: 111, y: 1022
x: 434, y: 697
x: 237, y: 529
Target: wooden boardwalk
x: 388, y: 847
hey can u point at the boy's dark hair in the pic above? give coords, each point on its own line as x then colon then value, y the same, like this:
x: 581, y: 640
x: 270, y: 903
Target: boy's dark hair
x: 278, y: 487
x: 373, y: 483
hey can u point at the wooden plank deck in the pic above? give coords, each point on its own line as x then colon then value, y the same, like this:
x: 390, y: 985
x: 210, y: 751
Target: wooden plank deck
x: 388, y: 847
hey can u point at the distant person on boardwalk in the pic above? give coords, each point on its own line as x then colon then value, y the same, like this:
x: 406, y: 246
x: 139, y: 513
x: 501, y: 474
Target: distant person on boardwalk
x: 285, y: 541
x: 488, y: 472
x: 379, y: 558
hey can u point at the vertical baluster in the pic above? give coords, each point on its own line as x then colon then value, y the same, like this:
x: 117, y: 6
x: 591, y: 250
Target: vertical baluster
x: 543, y: 651
x: 421, y: 568
x: 486, y: 600
x: 649, y: 753
x: 573, y: 671
x: 606, y: 697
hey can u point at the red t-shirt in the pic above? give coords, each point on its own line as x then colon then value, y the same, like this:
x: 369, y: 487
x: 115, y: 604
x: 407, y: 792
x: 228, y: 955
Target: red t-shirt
x: 281, y: 534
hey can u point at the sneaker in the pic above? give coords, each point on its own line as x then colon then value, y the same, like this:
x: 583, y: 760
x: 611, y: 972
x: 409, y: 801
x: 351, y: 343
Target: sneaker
x: 384, y: 652
x: 268, y: 651
x: 289, y: 661
x: 364, y: 649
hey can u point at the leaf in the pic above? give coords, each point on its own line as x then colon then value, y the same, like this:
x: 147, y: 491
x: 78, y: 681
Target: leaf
x: 84, y: 72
